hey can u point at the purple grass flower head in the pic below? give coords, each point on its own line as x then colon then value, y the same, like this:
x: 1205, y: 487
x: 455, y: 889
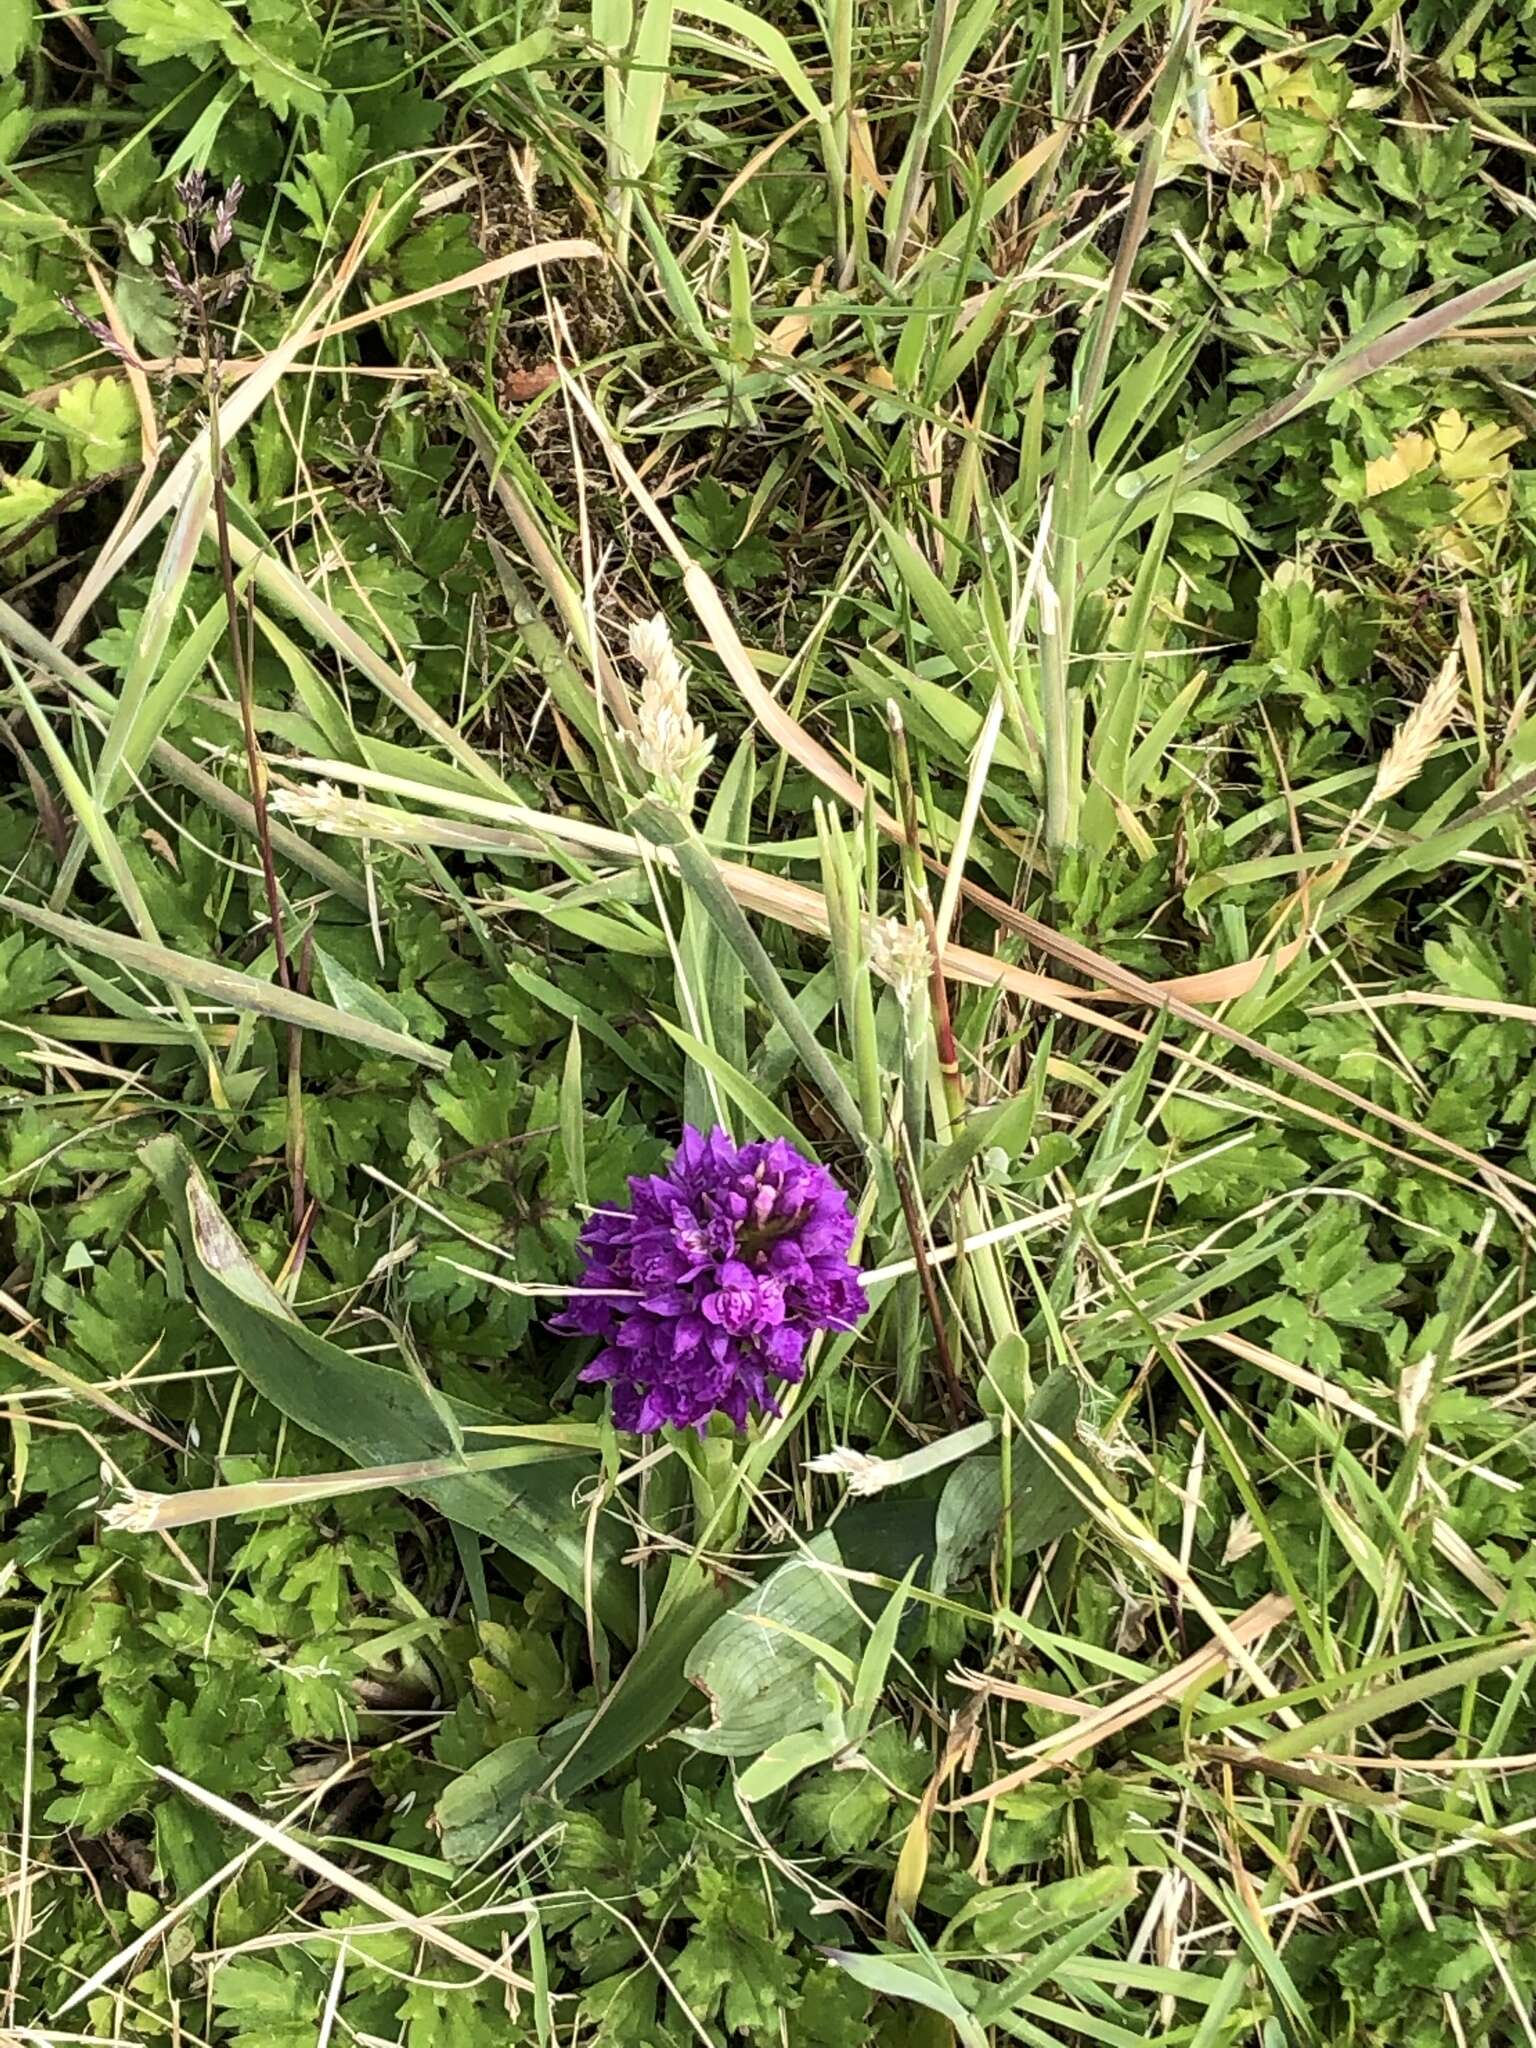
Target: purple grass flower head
x: 707, y: 1290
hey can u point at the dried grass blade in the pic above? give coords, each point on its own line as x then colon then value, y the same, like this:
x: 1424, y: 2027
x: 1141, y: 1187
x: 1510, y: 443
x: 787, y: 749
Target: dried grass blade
x: 238, y: 369
x: 347, y: 1881
x: 142, y: 1512
x: 179, y: 1908
x: 785, y: 731
x: 552, y: 572
x: 138, y: 383
x: 804, y: 909
x: 1123, y: 982
x: 233, y: 416
x: 295, y: 596
x: 58, y: 1376
x: 1219, y: 985
x: 1052, y: 1751
x: 533, y: 258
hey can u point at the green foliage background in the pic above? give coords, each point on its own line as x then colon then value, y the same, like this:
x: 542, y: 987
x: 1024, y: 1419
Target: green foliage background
x: 852, y: 415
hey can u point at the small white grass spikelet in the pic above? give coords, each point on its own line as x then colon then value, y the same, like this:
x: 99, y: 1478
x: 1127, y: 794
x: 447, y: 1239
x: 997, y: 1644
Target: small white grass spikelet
x: 672, y: 747
x: 134, y: 1512
x: 325, y: 808
x: 863, y: 1474
x: 900, y: 954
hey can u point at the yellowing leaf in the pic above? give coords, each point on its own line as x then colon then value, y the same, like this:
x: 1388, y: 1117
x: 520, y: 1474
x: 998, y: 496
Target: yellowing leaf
x: 1291, y: 85
x: 1225, y: 108
x: 98, y: 415
x: 1472, y: 455
x: 1210, y: 129
x: 23, y: 501
x: 1411, y: 455
x: 1475, y: 460
x: 1482, y: 503
x: 1468, y: 452
x: 1202, y: 129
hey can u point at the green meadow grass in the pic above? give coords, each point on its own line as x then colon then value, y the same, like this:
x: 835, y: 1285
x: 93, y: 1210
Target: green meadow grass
x: 1081, y: 462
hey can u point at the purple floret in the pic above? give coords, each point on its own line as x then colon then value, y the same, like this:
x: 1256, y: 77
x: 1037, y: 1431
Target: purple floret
x: 707, y: 1290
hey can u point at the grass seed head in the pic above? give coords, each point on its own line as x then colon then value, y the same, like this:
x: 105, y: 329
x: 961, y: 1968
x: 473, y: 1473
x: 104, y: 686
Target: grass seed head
x: 672, y: 748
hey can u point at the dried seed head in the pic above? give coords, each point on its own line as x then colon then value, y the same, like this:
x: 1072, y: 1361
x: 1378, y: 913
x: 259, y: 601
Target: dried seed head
x: 864, y: 1475
x: 224, y: 216
x: 192, y: 191
x: 98, y: 330
x: 900, y: 954
x: 136, y: 1513
x: 672, y: 747
x: 326, y: 809
x: 650, y: 642
x: 1415, y: 739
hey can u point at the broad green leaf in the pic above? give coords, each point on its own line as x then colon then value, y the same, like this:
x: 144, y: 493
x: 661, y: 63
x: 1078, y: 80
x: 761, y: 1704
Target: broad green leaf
x: 355, y: 997
x: 572, y: 1121
x: 1011, y: 1917
x: 24, y: 504
x: 154, y: 31
x: 99, y: 415
x: 1380, y: 1702
x: 18, y: 27
x: 971, y: 1507
x: 699, y: 874
x: 1007, y: 1126
x: 757, y: 1666
x: 131, y: 733
x: 918, y: 1980
x: 595, y: 927
x: 315, y: 693
x: 1054, y: 1963
x: 645, y: 88
x: 957, y: 633
x: 771, y: 45
x: 378, y: 1416
x: 875, y: 1662
x: 577, y: 1012
x: 785, y: 1760
x: 767, y: 1121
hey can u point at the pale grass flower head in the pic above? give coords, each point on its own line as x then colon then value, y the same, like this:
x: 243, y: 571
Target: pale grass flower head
x: 325, y: 808
x: 900, y: 954
x: 134, y: 1512
x: 1417, y: 736
x: 863, y: 1474
x: 672, y: 747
